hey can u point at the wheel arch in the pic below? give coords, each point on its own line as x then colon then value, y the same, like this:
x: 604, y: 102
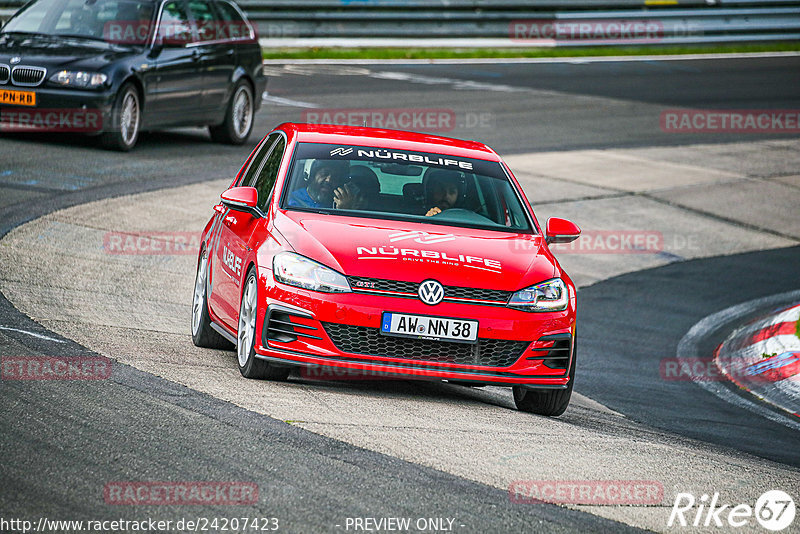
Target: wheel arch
x: 139, y: 86
x: 240, y: 73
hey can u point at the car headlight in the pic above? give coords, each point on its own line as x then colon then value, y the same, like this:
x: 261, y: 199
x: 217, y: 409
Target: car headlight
x: 550, y: 295
x: 79, y: 78
x: 297, y: 270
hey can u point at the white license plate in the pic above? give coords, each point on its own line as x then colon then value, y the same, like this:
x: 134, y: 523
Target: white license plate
x: 425, y: 327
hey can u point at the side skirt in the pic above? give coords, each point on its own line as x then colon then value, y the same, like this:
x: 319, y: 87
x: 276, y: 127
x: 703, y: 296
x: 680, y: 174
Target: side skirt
x: 224, y: 333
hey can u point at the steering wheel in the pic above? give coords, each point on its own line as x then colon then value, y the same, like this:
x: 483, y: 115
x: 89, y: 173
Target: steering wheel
x: 463, y: 215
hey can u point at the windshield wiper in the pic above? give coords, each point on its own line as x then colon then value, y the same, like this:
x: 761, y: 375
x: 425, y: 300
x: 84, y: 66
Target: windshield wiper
x: 78, y: 36
x: 35, y: 34
x: 56, y: 36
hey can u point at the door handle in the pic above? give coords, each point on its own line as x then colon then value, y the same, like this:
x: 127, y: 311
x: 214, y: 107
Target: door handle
x: 195, y: 54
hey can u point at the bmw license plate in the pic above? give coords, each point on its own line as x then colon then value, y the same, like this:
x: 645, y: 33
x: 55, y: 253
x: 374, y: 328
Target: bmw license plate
x: 19, y: 98
x: 425, y: 327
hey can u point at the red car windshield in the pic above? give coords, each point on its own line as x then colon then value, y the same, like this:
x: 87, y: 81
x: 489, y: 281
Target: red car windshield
x: 403, y: 185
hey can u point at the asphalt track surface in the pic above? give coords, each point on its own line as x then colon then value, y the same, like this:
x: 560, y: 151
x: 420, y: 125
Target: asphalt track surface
x: 625, y: 341
x: 61, y: 442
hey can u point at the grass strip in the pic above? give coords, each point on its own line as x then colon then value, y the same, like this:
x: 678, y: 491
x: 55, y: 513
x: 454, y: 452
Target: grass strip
x: 499, y: 53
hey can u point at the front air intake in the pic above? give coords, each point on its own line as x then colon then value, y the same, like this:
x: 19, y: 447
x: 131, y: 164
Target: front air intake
x: 285, y: 325
x: 555, y: 356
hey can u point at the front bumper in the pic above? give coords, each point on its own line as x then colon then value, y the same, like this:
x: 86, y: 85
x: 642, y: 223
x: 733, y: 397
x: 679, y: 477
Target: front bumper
x: 59, y: 110
x: 343, y: 331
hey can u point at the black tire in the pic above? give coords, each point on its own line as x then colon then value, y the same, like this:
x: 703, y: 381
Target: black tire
x: 126, y: 120
x: 550, y: 402
x: 249, y: 365
x: 239, y: 117
x: 202, y: 333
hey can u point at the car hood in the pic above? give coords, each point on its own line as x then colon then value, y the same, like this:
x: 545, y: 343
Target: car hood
x: 414, y: 252
x: 55, y: 53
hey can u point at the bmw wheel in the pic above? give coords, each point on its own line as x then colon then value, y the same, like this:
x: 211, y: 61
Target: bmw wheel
x: 238, y: 118
x: 126, y: 119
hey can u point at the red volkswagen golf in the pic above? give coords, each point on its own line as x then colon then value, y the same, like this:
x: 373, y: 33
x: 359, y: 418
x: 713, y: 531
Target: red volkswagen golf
x: 387, y: 253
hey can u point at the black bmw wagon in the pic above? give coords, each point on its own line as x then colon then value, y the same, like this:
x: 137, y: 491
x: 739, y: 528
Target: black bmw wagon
x: 118, y: 67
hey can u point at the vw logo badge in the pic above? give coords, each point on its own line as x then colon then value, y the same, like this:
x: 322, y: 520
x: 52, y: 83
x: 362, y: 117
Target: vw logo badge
x: 431, y: 292
x: 14, y: 60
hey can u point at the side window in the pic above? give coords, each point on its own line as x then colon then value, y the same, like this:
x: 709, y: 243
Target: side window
x: 174, y: 28
x: 269, y: 172
x: 204, y: 18
x: 234, y: 25
x: 249, y: 177
x: 228, y: 13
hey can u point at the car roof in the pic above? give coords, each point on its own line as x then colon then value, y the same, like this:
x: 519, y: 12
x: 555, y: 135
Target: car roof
x: 384, y: 138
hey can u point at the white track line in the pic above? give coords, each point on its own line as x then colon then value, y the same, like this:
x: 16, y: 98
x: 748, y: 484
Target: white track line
x: 265, y: 97
x: 40, y: 336
x: 689, y: 348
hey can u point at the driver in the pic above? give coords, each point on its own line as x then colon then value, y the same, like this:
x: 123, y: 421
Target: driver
x: 325, y: 187
x: 443, y: 191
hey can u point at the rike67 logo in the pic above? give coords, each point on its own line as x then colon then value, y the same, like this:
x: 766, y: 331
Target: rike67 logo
x: 774, y: 510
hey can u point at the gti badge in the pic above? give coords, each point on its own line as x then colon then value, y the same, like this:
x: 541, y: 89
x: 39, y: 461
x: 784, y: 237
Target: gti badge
x: 431, y: 292
x: 14, y: 60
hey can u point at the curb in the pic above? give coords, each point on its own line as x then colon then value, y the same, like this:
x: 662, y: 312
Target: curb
x: 762, y: 357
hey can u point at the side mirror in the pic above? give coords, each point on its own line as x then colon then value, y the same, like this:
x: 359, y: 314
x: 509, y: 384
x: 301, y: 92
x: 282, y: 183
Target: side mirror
x: 561, y: 231
x: 241, y: 198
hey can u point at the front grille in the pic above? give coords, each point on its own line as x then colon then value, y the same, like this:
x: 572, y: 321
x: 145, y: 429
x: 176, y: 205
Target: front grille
x: 476, y: 294
x: 366, y: 285
x: 5, y: 73
x: 27, y: 76
x: 370, y: 342
x: 556, y: 356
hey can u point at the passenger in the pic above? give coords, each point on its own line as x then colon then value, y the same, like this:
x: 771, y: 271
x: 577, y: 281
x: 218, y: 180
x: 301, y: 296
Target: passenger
x: 366, y: 186
x: 443, y: 191
x: 325, y: 187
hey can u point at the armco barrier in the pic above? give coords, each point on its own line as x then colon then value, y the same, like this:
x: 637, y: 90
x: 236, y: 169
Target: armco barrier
x: 524, y: 22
